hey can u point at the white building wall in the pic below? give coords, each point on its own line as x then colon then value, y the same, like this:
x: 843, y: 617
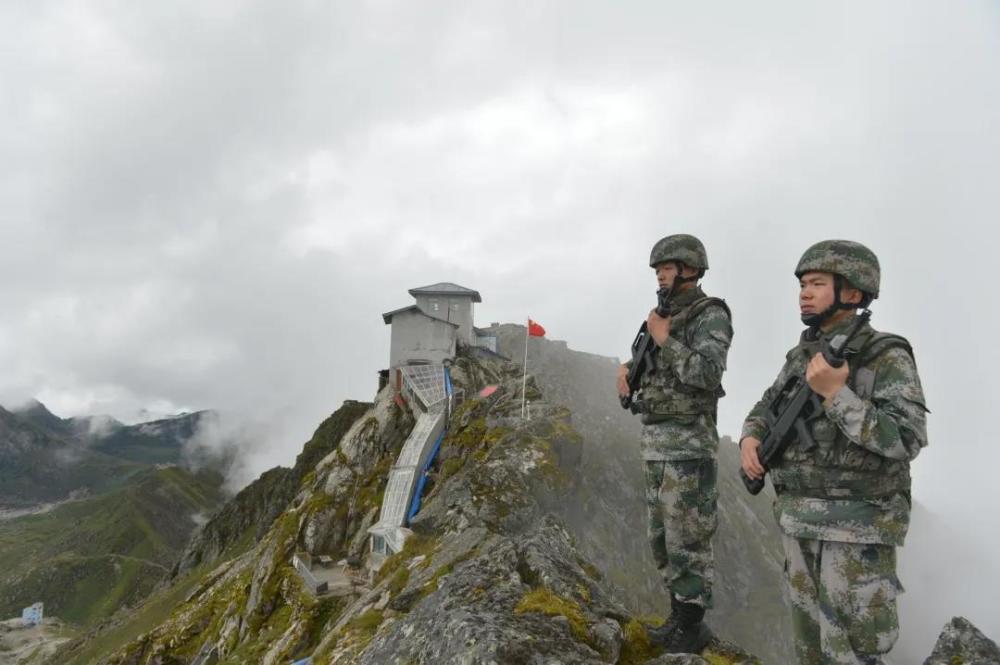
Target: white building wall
x: 455, y: 309
x: 417, y: 337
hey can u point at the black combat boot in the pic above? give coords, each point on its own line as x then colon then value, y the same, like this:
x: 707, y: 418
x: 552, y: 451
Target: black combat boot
x: 690, y: 634
x: 660, y: 636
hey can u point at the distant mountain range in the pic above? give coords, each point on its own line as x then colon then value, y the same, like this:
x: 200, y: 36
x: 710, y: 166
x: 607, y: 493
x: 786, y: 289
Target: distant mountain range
x: 45, y: 458
x: 121, y: 508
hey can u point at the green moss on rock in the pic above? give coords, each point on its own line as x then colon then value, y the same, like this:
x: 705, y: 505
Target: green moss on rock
x: 544, y: 601
x: 636, y: 648
x: 399, y: 580
x: 416, y: 545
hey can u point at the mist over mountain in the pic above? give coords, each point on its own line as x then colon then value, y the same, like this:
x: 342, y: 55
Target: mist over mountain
x: 40, y: 464
x: 45, y: 458
x: 94, y: 512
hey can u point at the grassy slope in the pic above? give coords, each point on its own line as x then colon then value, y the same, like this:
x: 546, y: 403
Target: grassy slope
x: 86, y: 559
x: 153, y: 611
x: 235, y: 528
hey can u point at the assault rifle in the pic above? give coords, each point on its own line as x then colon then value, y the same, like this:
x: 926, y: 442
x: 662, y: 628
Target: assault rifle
x: 644, y: 355
x: 795, y: 407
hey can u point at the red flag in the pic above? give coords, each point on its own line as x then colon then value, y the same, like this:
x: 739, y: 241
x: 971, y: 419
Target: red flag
x: 535, y: 330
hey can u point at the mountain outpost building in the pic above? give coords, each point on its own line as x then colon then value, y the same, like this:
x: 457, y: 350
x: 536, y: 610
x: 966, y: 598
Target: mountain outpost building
x: 425, y: 338
x: 430, y: 330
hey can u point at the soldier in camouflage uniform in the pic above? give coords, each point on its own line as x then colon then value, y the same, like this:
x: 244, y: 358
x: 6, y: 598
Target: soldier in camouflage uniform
x: 679, y: 440
x: 843, y: 500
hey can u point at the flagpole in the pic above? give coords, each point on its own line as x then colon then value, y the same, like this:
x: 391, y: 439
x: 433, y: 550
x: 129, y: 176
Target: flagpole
x: 524, y: 381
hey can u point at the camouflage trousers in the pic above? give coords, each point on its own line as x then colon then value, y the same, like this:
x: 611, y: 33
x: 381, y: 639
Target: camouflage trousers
x: 843, y: 599
x: 681, y: 501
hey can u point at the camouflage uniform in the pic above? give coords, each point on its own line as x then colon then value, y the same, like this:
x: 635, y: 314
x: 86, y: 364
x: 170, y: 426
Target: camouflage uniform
x: 844, y: 505
x: 679, y: 443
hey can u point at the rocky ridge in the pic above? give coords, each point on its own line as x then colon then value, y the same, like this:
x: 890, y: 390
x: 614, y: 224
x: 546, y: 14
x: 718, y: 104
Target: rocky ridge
x: 491, y: 575
x: 606, y: 511
x: 961, y: 643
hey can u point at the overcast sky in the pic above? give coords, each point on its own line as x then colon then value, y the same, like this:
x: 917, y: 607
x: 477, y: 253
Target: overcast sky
x: 209, y: 205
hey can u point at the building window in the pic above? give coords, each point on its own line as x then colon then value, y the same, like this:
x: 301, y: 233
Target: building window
x: 378, y: 544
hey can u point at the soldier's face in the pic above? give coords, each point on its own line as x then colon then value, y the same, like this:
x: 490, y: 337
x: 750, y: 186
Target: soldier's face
x: 665, y: 274
x: 815, y: 292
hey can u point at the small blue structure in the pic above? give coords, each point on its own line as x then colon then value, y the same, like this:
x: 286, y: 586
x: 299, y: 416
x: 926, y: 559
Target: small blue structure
x: 32, y: 616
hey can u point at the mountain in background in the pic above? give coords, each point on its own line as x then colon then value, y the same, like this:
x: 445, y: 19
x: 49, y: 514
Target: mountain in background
x: 38, y: 465
x: 45, y: 458
x: 94, y: 513
x: 158, y: 441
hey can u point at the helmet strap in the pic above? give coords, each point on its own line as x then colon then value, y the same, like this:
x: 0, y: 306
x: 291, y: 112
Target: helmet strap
x: 678, y: 279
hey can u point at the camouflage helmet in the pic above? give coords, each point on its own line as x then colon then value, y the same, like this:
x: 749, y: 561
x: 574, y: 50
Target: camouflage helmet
x: 679, y: 247
x: 851, y: 260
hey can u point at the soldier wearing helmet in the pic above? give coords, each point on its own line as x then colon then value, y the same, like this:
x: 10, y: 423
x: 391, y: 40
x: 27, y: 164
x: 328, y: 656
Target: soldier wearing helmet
x: 679, y: 439
x: 843, y: 499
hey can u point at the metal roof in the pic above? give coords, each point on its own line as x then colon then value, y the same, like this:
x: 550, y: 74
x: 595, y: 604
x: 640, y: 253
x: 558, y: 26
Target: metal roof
x: 387, y: 316
x: 446, y: 289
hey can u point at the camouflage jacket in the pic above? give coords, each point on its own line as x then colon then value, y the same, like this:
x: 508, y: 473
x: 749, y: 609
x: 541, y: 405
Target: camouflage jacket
x: 682, y: 392
x: 854, y: 485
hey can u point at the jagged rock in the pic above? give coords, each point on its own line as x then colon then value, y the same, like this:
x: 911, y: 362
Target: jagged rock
x: 961, y: 643
x: 677, y: 659
x: 364, y: 441
x: 254, y: 509
x: 491, y: 575
x: 473, y: 615
x: 337, y: 481
x: 359, y: 541
x: 608, y: 638
x: 319, y: 531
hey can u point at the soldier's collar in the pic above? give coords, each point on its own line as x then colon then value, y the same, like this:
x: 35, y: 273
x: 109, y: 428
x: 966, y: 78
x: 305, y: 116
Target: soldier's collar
x: 815, y: 334
x: 685, y: 298
x: 841, y: 327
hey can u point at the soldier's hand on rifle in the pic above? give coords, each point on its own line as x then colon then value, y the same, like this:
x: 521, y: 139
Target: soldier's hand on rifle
x: 658, y: 327
x: 623, y: 380
x: 825, y: 380
x: 748, y: 458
